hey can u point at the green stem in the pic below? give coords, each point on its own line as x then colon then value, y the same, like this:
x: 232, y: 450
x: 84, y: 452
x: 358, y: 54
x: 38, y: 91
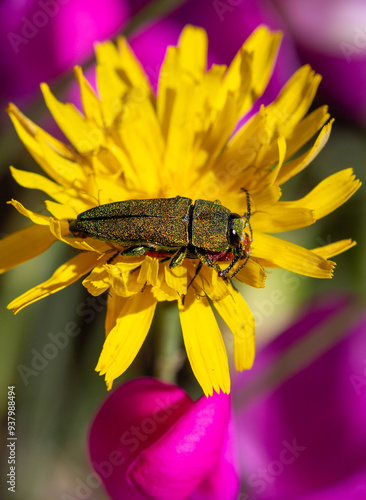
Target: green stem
x: 169, y: 354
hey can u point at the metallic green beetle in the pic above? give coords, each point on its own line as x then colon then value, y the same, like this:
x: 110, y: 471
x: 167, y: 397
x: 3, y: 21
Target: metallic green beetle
x: 175, y: 228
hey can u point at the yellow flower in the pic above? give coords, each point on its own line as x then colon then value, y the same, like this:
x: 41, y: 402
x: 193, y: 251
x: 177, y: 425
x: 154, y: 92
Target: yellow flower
x: 129, y: 144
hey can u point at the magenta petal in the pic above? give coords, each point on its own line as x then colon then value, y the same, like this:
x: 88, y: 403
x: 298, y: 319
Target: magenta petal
x: 330, y: 36
x: 223, y: 482
x: 133, y: 417
x: 347, y: 96
x: 306, y: 436
x: 43, y: 38
x: 354, y: 488
x: 174, y: 466
x: 150, y: 46
x: 89, y: 22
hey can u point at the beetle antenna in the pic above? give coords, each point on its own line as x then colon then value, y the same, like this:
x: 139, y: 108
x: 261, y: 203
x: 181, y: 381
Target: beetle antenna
x: 248, y: 213
x: 241, y: 267
x: 237, y: 257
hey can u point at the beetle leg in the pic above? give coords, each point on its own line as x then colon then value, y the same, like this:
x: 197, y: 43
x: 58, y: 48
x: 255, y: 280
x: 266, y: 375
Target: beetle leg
x: 134, y: 251
x: 111, y: 259
x: 164, y: 260
x: 198, y: 269
x: 238, y: 253
x: 178, y: 257
x: 205, y: 259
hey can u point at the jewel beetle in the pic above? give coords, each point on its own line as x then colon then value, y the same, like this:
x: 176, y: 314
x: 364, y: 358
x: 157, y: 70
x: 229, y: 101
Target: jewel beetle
x: 174, y: 228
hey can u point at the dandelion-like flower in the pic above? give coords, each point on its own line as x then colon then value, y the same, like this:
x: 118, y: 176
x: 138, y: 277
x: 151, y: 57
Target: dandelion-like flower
x: 129, y: 144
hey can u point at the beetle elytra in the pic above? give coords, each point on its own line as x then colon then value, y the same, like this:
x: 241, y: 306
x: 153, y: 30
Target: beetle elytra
x: 175, y: 228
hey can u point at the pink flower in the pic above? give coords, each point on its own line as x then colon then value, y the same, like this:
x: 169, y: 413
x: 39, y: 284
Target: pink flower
x: 43, y: 38
x: 331, y: 36
x: 149, y: 440
x: 227, y: 24
x: 299, y: 430
x: 301, y: 410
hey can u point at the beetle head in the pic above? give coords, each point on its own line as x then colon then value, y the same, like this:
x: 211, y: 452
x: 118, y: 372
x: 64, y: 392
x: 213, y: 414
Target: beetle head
x: 76, y: 230
x: 236, y: 230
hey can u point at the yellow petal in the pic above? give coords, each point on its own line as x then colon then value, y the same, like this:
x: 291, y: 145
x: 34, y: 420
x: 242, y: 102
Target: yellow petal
x: 268, y: 195
x: 138, y: 117
x: 71, y: 174
x: 236, y: 313
x: 219, y: 130
x: 131, y: 65
x: 31, y: 180
x: 84, y: 136
x: 306, y: 129
x: 22, y: 122
x: 187, y: 61
x: 214, y: 286
x: 293, y: 102
x: 238, y: 80
x: 263, y: 45
x: 331, y: 193
x: 64, y: 276
x: 177, y: 278
x: 161, y: 290
x: 292, y: 257
x: 277, y: 161
x: 56, y: 159
x: 192, y: 51
x: 252, y: 274
x: 281, y: 217
x: 241, y: 163
x: 114, y: 306
x: 60, y: 211
x: 97, y: 281
x: 111, y: 86
x: 180, y: 102
x: 282, y: 116
x: 123, y: 277
x: 118, y: 71
x: 60, y: 228
x: 43, y: 220
x: 291, y: 168
x: 126, y: 337
x: 204, y: 344
x: 149, y: 271
x: 23, y: 245
x: 335, y: 248
x: 91, y: 103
